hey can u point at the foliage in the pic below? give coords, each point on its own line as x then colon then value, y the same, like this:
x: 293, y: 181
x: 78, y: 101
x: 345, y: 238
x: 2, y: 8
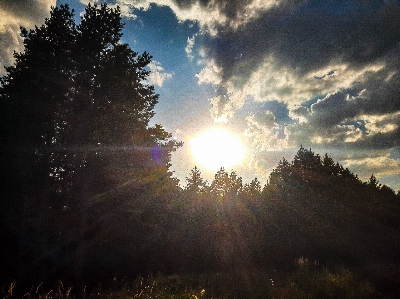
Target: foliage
x: 311, y: 282
x: 195, y: 183
x: 77, y: 149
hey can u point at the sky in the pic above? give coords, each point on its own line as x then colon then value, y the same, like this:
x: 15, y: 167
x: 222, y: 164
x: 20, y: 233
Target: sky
x: 277, y: 73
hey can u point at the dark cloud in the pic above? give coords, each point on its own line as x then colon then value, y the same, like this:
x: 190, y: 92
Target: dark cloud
x: 331, y: 110
x: 381, y: 140
x: 310, y: 36
x: 367, y: 135
x: 395, y: 153
x: 330, y: 73
x: 26, y: 10
x: 360, y: 34
x: 16, y: 13
x: 382, y: 92
x: 378, y: 95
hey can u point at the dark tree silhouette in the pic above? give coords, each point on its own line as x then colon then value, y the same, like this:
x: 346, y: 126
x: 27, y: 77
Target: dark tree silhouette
x: 225, y: 185
x: 251, y: 190
x: 373, y: 182
x: 281, y: 174
x: 306, y: 160
x: 195, y: 183
x: 220, y: 185
x: 74, y: 113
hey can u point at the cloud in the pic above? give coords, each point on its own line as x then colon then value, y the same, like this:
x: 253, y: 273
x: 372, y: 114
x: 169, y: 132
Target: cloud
x: 287, y: 52
x: 372, y: 132
x: 210, y: 73
x: 333, y: 67
x: 127, y: 7
x: 210, y: 15
x: 14, y: 14
x: 189, y: 47
x: 262, y: 130
x: 381, y: 166
x: 157, y: 74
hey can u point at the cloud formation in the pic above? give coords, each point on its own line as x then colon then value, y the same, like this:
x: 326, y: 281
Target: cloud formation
x: 157, y: 74
x: 13, y: 15
x: 189, y: 47
x: 332, y: 66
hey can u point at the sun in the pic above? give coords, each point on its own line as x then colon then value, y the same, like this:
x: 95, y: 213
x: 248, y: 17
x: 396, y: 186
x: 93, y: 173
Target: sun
x: 217, y: 148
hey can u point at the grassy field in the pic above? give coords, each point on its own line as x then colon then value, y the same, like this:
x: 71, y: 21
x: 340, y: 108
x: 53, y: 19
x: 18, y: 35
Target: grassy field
x: 307, y: 280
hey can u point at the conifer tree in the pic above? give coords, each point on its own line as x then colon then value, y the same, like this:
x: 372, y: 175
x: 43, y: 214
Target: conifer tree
x: 74, y: 112
x: 195, y: 183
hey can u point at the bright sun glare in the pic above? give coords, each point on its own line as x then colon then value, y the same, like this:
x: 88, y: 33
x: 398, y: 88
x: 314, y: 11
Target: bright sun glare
x: 217, y: 148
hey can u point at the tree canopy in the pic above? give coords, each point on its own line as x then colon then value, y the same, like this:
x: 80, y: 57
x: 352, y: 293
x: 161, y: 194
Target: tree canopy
x: 74, y: 112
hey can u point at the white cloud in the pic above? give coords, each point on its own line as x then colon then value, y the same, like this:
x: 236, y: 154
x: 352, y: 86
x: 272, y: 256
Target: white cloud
x: 274, y: 82
x: 382, y: 124
x: 381, y: 166
x: 127, y: 7
x: 262, y: 132
x: 157, y: 74
x: 211, y: 73
x: 14, y: 14
x: 271, y: 81
x: 252, y: 10
x: 189, y: 47
x: 210, y: 16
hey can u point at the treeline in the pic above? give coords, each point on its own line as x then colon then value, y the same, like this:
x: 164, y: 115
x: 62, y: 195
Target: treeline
x: 318, y: 210
x: 307, y: 169
x: 87, y: 195
x: 310, y: 207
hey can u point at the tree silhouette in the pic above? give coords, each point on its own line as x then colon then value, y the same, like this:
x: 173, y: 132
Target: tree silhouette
x: 281, y: 174
x: 306, y: 160
x: 225, y: 185
x: 251, y: 190
x: 195, y: 183
x: 75, y: 111
x: 221, y: 184
x: 373, y: 182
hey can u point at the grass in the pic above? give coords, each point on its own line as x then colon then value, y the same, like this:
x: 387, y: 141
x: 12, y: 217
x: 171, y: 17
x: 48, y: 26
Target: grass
x: 307, y: 281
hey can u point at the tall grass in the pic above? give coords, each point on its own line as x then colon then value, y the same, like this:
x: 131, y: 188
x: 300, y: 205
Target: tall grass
x: 309, y: 280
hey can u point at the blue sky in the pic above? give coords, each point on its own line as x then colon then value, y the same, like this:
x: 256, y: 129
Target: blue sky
x: 324, y: 74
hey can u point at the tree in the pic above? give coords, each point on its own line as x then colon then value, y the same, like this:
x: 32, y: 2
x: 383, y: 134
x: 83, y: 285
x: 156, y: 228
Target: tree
x: 281, y: 174
x: 305, y: 161
x: 252, y: 190
x: 75, y: 111
x: 329, y: 166
x: 226, y: 185
x: 220, y: 185
x: 373, y: 182
x: 195, y: 183
x: 235, y: 184
x: 32, y: 96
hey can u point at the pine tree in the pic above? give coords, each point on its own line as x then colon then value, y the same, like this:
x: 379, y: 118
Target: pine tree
x: 281, y: 174
x: 195, y: 183
x: 252, y: 190
x: 74, y: 112
x: 220, y: 185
